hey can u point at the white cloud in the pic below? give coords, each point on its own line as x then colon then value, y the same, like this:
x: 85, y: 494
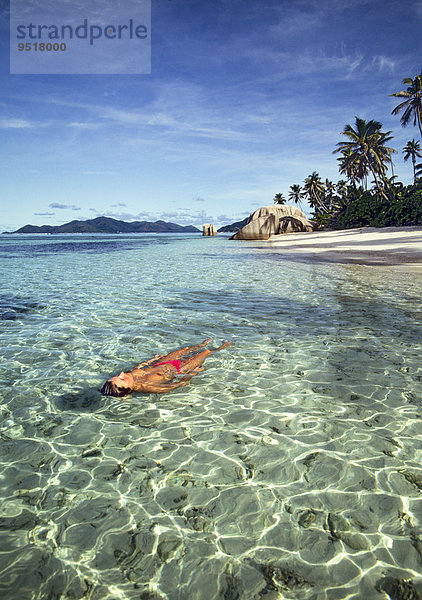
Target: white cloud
x: 182, y: 216
x: 295, y: 22
x: 283, y: 64
x: 84, y: 125
x: 177, y: 108
x: 21, y: 123
x: 94, y: 173
x: 179, y: 119
x: 383, y: 63
x: 14, y: 123
x: 64, y: 206
x: 196, y: 218
x: 126, y: 216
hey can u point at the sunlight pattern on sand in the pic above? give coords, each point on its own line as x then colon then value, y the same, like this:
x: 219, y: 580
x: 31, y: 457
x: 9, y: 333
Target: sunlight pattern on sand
x: 289, y: 468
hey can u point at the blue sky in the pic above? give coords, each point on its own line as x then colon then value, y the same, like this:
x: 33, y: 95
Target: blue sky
x: 244, y: 99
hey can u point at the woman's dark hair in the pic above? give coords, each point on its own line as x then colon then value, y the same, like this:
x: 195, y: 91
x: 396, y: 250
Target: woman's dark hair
x: 110, y: 389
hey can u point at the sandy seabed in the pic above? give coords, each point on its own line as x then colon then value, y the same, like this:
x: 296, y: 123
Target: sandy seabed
x: 387, y: 246
x: 289, y: 468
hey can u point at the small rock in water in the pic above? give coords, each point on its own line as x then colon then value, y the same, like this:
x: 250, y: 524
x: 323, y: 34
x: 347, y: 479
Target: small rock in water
x: 306, y: 519
x: 278, y: 578
x: 412, y: 478
x: 399, y: 589
x: 339, y: 529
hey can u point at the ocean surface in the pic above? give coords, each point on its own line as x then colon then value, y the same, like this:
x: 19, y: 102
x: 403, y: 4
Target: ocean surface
x: 290, y: 468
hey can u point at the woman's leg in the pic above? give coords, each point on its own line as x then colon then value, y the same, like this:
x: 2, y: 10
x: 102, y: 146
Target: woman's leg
x: 193, y: 362
x: 178, y: 354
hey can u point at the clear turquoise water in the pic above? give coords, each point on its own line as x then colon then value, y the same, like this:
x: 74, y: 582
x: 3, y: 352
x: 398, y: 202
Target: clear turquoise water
x: 289, y: 468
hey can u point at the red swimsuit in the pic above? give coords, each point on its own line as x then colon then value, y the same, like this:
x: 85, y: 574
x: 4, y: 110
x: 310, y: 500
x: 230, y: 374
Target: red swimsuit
x: 175, y: 363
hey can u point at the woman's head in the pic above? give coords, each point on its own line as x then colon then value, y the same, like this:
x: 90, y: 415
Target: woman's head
x: 118, y: 386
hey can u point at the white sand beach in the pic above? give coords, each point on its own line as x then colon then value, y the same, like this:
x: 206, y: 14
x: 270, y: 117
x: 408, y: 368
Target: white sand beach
x: 365, y: 245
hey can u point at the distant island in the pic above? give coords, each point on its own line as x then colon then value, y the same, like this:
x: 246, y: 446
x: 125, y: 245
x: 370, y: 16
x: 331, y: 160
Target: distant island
x: 108, y: 225
x: 234, y: 227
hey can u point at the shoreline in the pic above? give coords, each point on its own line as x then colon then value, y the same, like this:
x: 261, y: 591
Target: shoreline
x: 372, y: 246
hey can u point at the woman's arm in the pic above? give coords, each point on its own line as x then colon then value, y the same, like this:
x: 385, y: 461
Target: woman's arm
x: 151, y: 360
x: 163, y: 388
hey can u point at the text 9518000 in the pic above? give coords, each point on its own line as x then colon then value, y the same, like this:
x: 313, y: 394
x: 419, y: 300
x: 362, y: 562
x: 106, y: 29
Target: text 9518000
x: 41, y: 47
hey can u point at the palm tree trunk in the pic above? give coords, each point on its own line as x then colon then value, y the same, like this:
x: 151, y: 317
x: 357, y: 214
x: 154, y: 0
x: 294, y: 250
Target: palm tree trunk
x: 321, y: 204
x: 379, y: 188
x: 420, y: 121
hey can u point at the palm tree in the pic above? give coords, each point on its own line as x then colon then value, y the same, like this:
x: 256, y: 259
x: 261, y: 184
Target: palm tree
x: 341, y: 187
x: 412, y: 106
x: 412, y: 150
x: 314, y: 189
x: 395, y: 186
x: 366, y: 150
x: 339, y: 197
x: 296, y: 194
x: 353, y: 167
x: 330, y: 190
x: 279, y: 199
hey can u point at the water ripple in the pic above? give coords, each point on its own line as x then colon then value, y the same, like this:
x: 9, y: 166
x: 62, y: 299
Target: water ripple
x: 290, y: 468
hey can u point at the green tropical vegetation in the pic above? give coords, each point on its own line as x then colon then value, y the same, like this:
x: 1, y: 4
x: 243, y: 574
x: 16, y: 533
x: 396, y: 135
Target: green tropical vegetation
x: 365, y: 151
x: 412, y: 150
x: 296, y: 194
x: 315, y: 192
x: 369, y: 194
x: 279, y: 199
x: 412, y: 106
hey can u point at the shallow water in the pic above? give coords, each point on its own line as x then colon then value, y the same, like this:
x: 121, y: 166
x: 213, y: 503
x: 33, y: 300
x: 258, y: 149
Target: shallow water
x: 289, y: 468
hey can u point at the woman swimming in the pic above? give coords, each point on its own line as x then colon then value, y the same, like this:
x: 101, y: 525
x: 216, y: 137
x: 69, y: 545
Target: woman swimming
x: 156, y: 378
